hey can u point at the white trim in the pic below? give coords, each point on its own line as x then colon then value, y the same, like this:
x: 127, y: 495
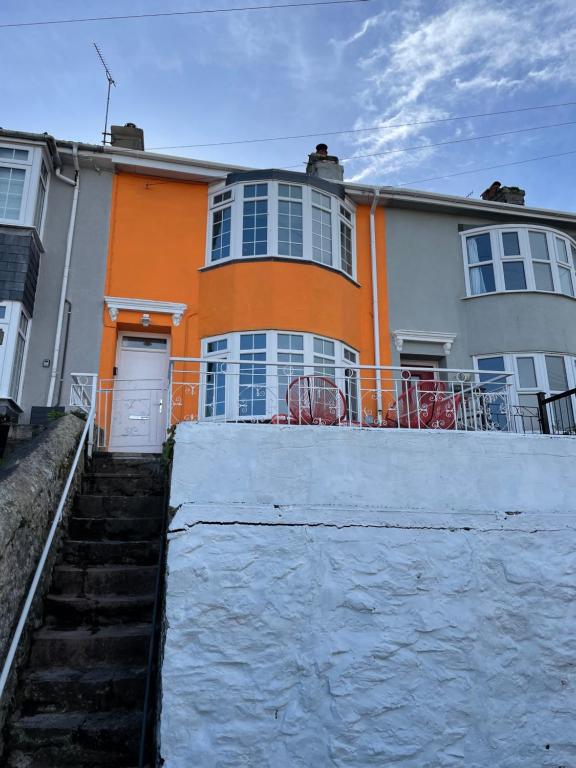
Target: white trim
x: 115, y: 304
x: 424, y: 337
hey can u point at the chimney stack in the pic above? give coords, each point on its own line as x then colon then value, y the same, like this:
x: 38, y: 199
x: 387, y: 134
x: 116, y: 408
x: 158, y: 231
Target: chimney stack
x: 499, y: 194
x: 127, y: 136
x: 326, y: 166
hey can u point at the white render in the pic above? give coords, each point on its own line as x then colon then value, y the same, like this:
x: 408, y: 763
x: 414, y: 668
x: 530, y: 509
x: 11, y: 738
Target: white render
x: 352, y: 630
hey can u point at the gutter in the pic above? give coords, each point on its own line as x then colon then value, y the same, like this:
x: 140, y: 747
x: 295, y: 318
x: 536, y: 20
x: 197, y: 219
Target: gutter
x: 66, y: 273
x: 375, y: 308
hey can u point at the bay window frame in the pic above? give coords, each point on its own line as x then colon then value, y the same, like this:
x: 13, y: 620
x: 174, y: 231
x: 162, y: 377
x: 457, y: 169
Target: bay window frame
x: 10, y: 326
x: 541, y: 373
x: 526, y: 257
x: 342, y: 361
x: 236, y: 203
x: 32, y: 168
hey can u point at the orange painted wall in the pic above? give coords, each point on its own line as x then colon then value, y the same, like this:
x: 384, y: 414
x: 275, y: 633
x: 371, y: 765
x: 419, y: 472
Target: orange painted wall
x: 157, y: 251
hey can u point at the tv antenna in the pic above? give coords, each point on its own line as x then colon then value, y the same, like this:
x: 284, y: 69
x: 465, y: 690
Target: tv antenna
x: 111, y: 83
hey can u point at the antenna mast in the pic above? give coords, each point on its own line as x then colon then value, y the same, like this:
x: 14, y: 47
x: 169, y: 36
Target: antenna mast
x: 111, y: 83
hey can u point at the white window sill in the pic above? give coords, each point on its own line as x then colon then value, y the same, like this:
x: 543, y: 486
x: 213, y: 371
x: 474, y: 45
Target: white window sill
x: 521, y: 292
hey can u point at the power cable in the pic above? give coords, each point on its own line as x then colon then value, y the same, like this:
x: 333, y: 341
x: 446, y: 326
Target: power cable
x: 378, y: 127
x: 486, y: 168
x: 199, y: 12
x: 459, y: 141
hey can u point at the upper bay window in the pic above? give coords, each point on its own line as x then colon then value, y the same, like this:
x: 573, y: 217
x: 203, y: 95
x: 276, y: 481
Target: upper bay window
x: 520, y: 258
x: 276, y: 219
x: 23, y: 184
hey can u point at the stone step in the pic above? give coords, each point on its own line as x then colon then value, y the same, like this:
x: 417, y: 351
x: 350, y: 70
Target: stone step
x: 122, y: 463
x: 70, y: 611
x: 110, y: 552
x: 114, y: 528
x: 88, y: 505
x: 90, y: 647
x: 104, y: 580
x: 78, y: 738
x: 61, y: 689
x: 126, y: 484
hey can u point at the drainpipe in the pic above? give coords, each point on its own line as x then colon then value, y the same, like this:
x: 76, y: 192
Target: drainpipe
x: 63, y: 290
x: 375, y: 310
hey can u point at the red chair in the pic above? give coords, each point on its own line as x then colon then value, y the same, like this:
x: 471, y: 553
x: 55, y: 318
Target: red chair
x: 315, y: 400
x: 445, y: 411
x: 426, y: 405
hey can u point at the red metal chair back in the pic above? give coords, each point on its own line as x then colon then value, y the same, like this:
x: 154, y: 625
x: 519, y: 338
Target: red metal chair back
x: 315, y: 400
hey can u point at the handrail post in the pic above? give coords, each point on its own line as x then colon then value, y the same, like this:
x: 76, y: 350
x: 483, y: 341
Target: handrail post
x: 543, y: 411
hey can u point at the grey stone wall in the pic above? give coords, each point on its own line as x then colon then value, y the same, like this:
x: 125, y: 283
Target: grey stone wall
x: 30, y: 490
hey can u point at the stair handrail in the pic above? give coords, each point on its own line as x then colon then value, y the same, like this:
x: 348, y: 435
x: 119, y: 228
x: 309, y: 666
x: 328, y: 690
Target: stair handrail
x: 44, y: 556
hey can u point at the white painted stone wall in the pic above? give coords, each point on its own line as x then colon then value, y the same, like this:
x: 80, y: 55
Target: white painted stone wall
x: 304, y: 633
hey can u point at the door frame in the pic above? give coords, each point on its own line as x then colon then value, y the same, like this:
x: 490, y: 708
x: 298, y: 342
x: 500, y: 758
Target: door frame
x: 166, y: 352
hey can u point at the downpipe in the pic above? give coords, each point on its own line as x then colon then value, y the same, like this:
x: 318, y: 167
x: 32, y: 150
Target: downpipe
x: 375, y: 308
x: 66, y: 273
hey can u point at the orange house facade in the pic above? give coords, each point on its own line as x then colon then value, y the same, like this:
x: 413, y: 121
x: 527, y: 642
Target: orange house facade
x: 224, y: 286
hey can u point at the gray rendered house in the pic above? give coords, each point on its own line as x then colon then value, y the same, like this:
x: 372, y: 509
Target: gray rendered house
x: 483, y: 284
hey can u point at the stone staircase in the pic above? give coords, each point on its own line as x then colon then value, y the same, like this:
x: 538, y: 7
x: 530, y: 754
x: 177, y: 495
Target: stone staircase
x: 80, y: 699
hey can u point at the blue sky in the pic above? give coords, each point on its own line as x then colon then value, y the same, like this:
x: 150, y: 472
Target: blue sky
x: 200, y: 79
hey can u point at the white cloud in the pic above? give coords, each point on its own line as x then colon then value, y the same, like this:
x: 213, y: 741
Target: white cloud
x: 418, y: 66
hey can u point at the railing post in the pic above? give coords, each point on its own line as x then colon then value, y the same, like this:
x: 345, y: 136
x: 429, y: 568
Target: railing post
x: 543, y: 411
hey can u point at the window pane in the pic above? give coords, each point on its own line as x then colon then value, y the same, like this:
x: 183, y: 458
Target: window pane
x: 215, y: 388
x: 321, y: 234
x: 526, y: 372
x: 511, y: 243
x: 561, y: 250
x: 565, y: 280
x: 217, y: 346
x: 143, y: 342
x: 514, y: 277
x: 289, y: 190
x: 539, y: 246
x: 255, y: 225
x: 2, y: 312
x: 573, y: 249
x: 557, y: 381
x: 482, y: 279
x: 323, y: 201
x: 221, y: 224
x: 346, y: 247
x: 543, y: 276
x: 479, y: 248
x: 11, y: 191
x: 289, y: 227
x: 8, y: 153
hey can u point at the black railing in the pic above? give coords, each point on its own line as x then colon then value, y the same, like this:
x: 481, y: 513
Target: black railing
x: 557, y: 413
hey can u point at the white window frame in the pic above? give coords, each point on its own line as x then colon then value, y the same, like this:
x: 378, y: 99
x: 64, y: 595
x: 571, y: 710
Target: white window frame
x: 499, y: 259
x: 541, y: 372
x: 32, y: 167
x: 233, y: 352
x: 236, y: 204
x: 10, y: 325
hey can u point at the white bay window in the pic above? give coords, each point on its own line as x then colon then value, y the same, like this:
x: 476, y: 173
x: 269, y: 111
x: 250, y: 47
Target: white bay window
x: 247, y: 375
x: 14, y: 334
x: 23, y: 185
x: 533, y: 372
x: 276, y: 219
x: 522, y: 258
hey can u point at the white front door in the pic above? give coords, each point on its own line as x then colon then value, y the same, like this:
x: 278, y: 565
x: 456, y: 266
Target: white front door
x: 139, y: 401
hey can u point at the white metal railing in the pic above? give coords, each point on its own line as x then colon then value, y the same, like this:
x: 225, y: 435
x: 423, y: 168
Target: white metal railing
x: 83, y: 396
x: 4, y: 675
x: 296, y: 393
